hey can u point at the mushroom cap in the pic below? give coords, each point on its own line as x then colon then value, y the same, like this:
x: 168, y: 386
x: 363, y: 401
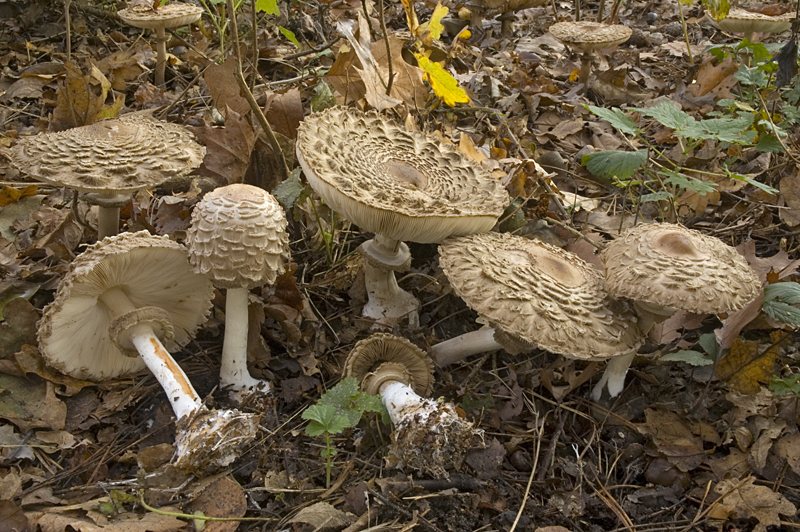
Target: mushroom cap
x: 388, y: 352
x: 742, y: 21
x: 404, y: 185
x: 672, y: 266
x: 238, y: 237
x: 153, y: 271
x: 125, y: 154
x: 587, y: 36
x: 172, y: 15
x: 541, y: 295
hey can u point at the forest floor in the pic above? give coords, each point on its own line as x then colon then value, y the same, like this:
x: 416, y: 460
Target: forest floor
x: 689, y: 445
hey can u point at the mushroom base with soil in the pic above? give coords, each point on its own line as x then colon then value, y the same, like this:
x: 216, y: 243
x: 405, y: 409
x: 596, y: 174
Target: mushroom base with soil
x: 209, y: 440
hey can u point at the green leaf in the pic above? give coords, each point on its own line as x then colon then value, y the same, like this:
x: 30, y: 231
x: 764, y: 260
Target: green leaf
x: 781, y: 311
x: 788, y: 292
x: 693, y: 358
x: 289, y: 36
x: 718, y: 9
x: 324, y: 420
x: 686, y: 182
x: 290, y: 191
x: 732, y: 130
x: 768, y: 143
x: 323, y: 97
x: 349, y: 402
x: 778, y: 301
x: 709, y: 344
x: 655, y: 196
x: 790, y: 384
x: 766, y: 188
x: 614, y: 164
x: 616, y: 118
x: 751, y: 76
x: 669, y: 115
x: 269, y: 7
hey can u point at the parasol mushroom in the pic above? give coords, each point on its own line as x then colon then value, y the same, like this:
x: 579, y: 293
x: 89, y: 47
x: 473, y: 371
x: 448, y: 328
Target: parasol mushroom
x: 110, y: 160
x: 667, y: 267
x: 172, y: 15
x: 742, y: 21
x: 506, y: 8
x: 401, y: 185
x: 535, y: 295
x: 428, y: 435
x: 587, y: 37
x: 124, y: 302
x: 238, y: 239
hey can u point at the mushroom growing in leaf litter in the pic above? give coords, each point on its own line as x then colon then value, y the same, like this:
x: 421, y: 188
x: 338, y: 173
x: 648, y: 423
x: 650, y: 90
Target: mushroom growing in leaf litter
x: 534, y: 295
x: 400, y: 185
x: 110, y: 160
x: 587, y: 37
x: 428, y: 435
x: 172, y: 15
x: 748, y: 22
x: 124, y: 302
x: 238, y: 239
x: 664, y: 267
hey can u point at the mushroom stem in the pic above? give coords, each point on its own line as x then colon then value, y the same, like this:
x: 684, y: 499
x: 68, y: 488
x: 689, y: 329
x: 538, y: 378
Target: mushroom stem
x: 387, y: 302
x: 161, y: 55
x: 586, y: 68
x: 468, y: 344
x: 233, y: 373
x: 401, y: 400
x: 613, y: 376
x: 107, y: 222
x: 170, y: 376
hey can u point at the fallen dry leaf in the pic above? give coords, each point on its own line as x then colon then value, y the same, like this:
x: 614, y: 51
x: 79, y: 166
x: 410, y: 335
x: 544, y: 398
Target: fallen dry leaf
x: 746, y: 367
x: 219, y: 496
x: 284, y: 112
x: 224, y: 89
x: 322, y: 516
x: 673, y: 439
x: 743, y: 499
x: 228, y: 148
x: 31, y: 403
x: 80, y: 100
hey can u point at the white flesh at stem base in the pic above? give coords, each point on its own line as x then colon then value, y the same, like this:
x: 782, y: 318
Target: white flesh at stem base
x: 233, y: 373
x: 468, y: 344
x: 398, y: 398
x: 170, y: 376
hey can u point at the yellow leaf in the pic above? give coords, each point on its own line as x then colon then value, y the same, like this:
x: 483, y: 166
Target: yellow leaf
x: 574, y: 75
x: 432, y: 29
x: 744, y: 368
x: 411, y: 16
x: 464, y: 35
x: 10, y: 195
x: 443, y: 84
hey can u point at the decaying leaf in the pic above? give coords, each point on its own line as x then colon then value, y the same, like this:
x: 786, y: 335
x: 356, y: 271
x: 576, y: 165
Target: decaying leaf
x: 322, y: 516
x: 228, y: 148
x: 81, y: 99
x: 673, y: 439
x: 743, y: 499
x: 746, y: 366
x: 219, y: 496
x: 224, y: 89
x: 86, y: 517
x: 31, y: 403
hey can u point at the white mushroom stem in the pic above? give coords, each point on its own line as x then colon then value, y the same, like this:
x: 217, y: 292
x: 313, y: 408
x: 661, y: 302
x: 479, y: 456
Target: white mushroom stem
x: 161, y: 55
x: 170, y: 376
x: 233, y: 373
x: 468, y: 344
x: 404, y: 404
x: 387, y: 302
x: 107, y: 222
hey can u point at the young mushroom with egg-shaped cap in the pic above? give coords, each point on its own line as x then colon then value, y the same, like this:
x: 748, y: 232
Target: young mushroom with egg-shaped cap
x: 587, y: 37
x: 172, y: 15
x: 400, y: 185
x: 742, y: 21
x: 428, y: 435
x: 238, y: 239
x: 110, y: 160
x: 121, y: 302
x: 666, y: 267
x: 535, y: 295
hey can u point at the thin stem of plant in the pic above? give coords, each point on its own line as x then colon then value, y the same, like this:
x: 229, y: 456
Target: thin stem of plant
x: 685, y: 33
x: 388, y: 48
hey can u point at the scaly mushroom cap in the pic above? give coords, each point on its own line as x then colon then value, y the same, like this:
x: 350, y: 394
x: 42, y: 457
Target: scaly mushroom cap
x: 540, y: 294
x: 403, y: 185
x: 238, y: 237
x: 120, y: 155
x: 669, y: 265
x: 489, y: 7
x: 172, y: 15
x: 384, y: 356
x: 153, y: 271
x: 743, y: 21
x: 586, y: 36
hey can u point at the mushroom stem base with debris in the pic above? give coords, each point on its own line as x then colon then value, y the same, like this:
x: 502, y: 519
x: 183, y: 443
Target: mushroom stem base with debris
x: 233, y: 374
x: 468, y: 344
x: 428, y: 436
x: 388, y: 303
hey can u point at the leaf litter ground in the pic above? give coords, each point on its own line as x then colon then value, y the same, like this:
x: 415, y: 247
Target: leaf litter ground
x: 687, y: 446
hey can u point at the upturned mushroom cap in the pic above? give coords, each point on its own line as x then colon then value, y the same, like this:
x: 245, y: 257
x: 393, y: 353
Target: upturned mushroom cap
x: 586, y: 36
x: 238, y: 237
x: 403, y: 185
x: 672, y: 266
x: 390, y: 353
x: 153, y: 272
x: 743, y: 21
x: 120, y: 155
x: 172, y: 15
x: 539, y: 294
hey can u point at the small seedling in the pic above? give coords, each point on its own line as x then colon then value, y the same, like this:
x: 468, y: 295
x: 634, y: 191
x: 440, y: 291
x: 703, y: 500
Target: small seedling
x: 338, y: 409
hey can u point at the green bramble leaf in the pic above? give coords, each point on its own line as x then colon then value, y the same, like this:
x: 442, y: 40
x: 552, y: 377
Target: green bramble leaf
x: 616, y: 118
x: 614, y: 164
x: 269, y: 7
x: 778, y: 301
x: 687, y: 182
x: 782, y: 386
x: 693, y: 358
x: 324, y: 420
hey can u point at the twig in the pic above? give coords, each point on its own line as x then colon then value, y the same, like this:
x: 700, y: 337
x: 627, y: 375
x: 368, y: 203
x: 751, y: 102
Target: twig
x: 68, y: 22
x: 198, y: 517
x: 388, y: 48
